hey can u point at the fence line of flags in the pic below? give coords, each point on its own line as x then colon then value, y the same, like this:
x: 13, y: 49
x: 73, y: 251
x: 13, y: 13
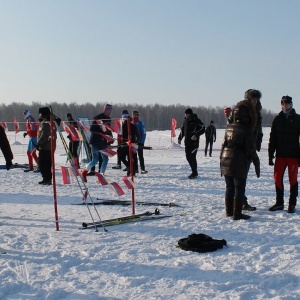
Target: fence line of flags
x: 117, y: 128
x: 67, y: 175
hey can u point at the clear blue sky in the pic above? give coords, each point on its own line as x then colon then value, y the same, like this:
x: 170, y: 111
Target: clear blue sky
x: 205, y: 52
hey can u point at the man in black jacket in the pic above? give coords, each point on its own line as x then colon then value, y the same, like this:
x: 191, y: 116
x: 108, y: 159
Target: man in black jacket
x: 210, y: 137
x: 284, y: 141
x: 191, y: 130
x: 5, y: 148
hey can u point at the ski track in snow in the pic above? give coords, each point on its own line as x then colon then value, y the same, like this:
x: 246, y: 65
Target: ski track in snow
x: 141, y: 260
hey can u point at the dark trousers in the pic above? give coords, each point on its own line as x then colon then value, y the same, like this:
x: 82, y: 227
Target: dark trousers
x: 191, y: 154
x: 73, y: 147
x: 45, y: 164
x: 124, y: 154
x: 208, y: 142
x: 141, y: 156
x: 235, y: 188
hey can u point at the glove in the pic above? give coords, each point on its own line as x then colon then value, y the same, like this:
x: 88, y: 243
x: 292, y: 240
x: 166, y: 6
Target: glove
x: 8, y: 165
x: 271, y: 162
x: 37, y: 147
x: 179, y: 141
x: 24, y: 134
x: 214, y: 140
x: 194, y: 138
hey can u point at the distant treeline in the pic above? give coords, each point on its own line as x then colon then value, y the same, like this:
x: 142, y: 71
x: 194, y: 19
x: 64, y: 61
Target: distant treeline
x: 155, y: 116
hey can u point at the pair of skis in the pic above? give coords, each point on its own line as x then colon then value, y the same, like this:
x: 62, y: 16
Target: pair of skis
x: 146, y: 216
x: 126, y: 203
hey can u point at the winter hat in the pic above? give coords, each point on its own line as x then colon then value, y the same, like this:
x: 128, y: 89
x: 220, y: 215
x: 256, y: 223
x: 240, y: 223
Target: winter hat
x: 188, y: 111
x: 26, y: 113
x: 125, y: 112
x: 252, y: 93
x: 287, y: 99
x: 135, y: 112
x: 125, y: 116
x: 107, y: 107
x: 44, y: 111
x: 212, y: 122
x: 70, y: 117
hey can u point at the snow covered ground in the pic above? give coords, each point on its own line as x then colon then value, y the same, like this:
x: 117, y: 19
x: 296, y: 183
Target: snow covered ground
x: 141, y: 260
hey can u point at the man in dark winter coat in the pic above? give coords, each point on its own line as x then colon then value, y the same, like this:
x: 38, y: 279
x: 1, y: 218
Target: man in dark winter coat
x: 5, y: 148
x: 237, y: 153
x: 44, y: 145
x: 284, y: 141
x: 253, y: 96
x: 134, y: 137
x: 191, y: 130
x: 210, y: 137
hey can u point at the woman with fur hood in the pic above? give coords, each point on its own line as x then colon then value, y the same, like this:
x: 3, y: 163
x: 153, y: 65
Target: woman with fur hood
x: 237, y: 153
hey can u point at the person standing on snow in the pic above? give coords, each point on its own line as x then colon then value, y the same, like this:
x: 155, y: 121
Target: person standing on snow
x: 5, y: 148
x: 237, y: 153
x: 210, y: 137
x: 106, y: 119
x: 284, y: 143
x: 31, y: 131
x: 73, y: 139
x: 141, y: 128
x: 44, y: 145
x: 119, y: 141
x: 134, y: 139
x: 98, y: 142
x: 191, y: 130
x: 253, y: 96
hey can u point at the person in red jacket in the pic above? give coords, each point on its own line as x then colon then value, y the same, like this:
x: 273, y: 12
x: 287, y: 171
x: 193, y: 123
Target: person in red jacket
x: 31, y: 131
x: 284, y: 144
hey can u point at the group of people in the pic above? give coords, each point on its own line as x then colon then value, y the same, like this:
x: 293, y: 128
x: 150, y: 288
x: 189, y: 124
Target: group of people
x: 39, y: 135
x: 242, y: 141
x: 132, y: 129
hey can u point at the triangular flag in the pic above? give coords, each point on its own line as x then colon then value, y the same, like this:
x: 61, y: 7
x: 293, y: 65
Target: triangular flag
x: 101, y: 178
x: 128, y: 182
x: 66, y: 175
x: 17, y: 125
x: 116, y: 188
x: 108, y: 152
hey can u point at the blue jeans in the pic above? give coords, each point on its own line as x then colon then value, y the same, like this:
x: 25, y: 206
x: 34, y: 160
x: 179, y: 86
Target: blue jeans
x: 104, y: 163
x: 235, y: 188
x: 95, y: 157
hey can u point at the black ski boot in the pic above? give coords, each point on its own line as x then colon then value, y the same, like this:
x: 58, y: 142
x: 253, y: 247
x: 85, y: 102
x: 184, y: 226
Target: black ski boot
x: 237, y: 211
x: 279, y: 201
x: 229, y: 207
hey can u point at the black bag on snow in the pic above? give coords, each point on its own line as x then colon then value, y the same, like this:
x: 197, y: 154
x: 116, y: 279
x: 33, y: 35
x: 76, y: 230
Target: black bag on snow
x: 201, y: 243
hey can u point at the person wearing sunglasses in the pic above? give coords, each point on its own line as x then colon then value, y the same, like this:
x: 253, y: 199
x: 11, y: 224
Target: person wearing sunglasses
x: 284, y: 146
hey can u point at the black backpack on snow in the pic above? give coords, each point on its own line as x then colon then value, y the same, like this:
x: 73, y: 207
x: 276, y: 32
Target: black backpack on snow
x: 201, y: 243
